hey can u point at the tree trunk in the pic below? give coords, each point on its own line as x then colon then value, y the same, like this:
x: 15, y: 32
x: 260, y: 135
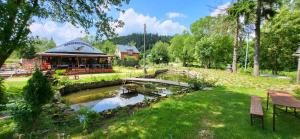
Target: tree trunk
x: 235, y: 47
x: 257, y: 39
x: 4, y: 54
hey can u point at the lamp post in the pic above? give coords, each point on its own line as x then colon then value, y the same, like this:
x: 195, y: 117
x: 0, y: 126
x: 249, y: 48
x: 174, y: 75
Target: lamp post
x: 248, y: 30
x: 297, y: 54
x: 145, y: 71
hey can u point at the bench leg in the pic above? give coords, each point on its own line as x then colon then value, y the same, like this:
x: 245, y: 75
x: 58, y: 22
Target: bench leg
x: 295, y: 112
x: 286, y: 109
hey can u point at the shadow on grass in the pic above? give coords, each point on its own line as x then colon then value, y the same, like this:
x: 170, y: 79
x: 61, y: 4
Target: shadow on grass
x: 219, y: 113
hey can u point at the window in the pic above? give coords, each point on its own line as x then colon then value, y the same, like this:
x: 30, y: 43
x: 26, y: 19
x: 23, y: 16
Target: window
x: 130, y: 52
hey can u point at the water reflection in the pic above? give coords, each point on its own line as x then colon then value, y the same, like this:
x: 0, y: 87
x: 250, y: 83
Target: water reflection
x: 120, y: 99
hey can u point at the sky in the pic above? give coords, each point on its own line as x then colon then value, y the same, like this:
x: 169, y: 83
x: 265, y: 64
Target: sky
x: 165, y: 17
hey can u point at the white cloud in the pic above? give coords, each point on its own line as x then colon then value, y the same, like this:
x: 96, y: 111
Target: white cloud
x: 134, y: 23
x: 175, y: 15
x: 59, y: 32
x: 220, y: 10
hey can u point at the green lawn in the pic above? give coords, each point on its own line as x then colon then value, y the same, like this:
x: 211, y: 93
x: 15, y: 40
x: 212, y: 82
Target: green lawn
x: 219, y: 113
x: 119, y: 72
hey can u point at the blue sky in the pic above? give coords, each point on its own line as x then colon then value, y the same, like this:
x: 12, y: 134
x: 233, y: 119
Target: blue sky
x: 165, y: 17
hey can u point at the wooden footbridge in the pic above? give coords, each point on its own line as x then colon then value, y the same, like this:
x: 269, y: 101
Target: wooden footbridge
x: 157, y: 81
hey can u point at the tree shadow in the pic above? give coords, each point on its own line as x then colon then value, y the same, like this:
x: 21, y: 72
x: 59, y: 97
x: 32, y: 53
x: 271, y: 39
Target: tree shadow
x: 218, y: 113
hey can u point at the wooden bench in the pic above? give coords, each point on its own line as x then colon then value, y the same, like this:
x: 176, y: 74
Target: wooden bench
x: 256, y: 110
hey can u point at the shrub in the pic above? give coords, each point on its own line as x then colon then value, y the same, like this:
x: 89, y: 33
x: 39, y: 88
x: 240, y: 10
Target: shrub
x: 60, y: 72
x: 88, y: 118
x: 26, y: 111
x: 63, y: 81
x: 200, y: 83
x: 38, y: 90
x: 22, y: 115
x: 2, y: 90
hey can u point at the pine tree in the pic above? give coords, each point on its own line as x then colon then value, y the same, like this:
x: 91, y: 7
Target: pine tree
x: 38, y: 91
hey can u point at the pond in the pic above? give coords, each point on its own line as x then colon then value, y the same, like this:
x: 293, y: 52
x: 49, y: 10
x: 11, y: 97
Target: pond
x: 107, y: 98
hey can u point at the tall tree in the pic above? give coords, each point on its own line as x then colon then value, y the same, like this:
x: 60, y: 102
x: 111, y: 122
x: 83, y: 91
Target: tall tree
x: 159, y: 53
x: 17, y: 15
x: 108, y: 47
x: 280, y: 38
x: 265, y: 9
x: 242, y: 8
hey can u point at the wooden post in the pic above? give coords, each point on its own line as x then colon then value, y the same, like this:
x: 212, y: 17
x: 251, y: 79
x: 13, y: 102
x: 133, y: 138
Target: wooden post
x: 298, y: 71
x: 77, y: 62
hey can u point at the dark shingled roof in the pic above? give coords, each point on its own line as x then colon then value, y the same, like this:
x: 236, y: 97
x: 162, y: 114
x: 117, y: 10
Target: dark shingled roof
x: 76, y: 46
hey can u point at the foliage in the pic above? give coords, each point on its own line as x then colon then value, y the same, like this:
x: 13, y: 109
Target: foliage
x: 43, y: 44
x: 23, y: 115
x: 28, y: 52
x: 241, y: 8
x: 213, y: 46
x: 129, y: 61
x: 265, y: 9
x: 60, y: 72
x: 108, y: 47
x: 205, y: 109
x: 280, y: 38
x: 38, y: 91
x: 159, y: 53
x: 176, y: 44
x: 198, y: 83
x: 2, y: 92
x: 63, y: 81
x: 35, y: 45
x: 88, y: 118
x: 16, y: 17
x: 138, y: 40
x: 182, y: 48
x: 132, y: 43
x: 237, y: 10
x: 204, y: 51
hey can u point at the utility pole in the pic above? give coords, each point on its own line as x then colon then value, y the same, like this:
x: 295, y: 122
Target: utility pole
x: 145, y: 71
x: 246, y: 58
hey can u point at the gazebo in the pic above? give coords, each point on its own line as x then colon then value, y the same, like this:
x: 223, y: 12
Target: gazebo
x: 76, y: 56
x: 297, y: 54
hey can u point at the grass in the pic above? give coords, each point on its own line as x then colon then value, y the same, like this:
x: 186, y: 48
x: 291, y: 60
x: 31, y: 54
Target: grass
x: 219, y: 113
x: 119, y: 72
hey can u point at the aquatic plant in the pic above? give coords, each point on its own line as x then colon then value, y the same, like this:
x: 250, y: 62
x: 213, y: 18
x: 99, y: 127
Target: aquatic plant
x: 88, y: 118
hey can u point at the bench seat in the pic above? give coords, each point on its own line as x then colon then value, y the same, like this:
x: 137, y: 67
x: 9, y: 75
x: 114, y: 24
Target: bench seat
x: 256, y: 109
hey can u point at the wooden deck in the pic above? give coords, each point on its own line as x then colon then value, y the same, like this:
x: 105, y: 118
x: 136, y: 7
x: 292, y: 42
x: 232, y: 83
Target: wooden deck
x: 158, y: 81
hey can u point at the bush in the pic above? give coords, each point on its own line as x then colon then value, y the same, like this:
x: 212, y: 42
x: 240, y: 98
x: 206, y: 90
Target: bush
x: 128, y: 61
x: 38, y: 90
x: 2, y: 95
x: 26, y: 112
x: 60, y: 72
x: 88, y: 118
x: 63, y: 81
x: 200, y: 83
x: 22, y: 115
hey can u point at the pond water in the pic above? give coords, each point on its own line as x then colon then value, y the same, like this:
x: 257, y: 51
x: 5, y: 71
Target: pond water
x: 106, y: 98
